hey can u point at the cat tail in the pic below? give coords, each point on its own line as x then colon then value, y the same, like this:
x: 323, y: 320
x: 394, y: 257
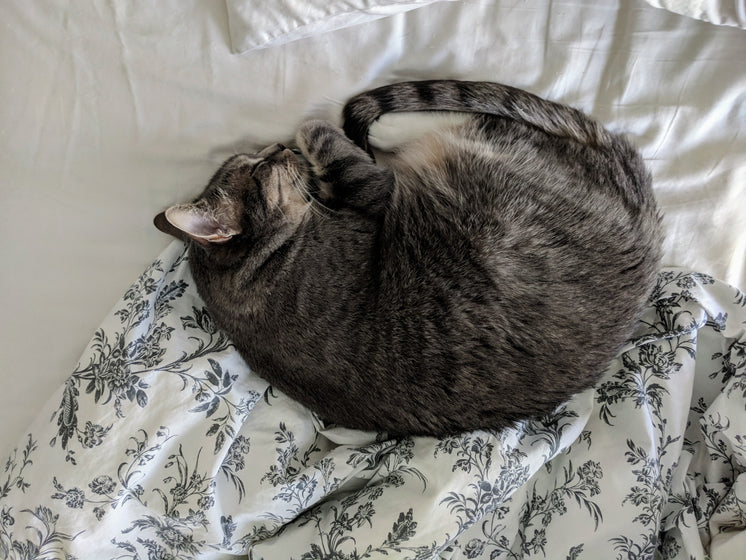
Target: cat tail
x: 499, y: 100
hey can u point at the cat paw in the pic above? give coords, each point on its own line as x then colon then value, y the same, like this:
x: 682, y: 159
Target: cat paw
x: 311, y: 133
x: 322, y: 143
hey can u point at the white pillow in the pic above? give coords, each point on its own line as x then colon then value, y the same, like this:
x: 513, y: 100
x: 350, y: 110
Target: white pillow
x: 720, y: 12
x: 257, y: 24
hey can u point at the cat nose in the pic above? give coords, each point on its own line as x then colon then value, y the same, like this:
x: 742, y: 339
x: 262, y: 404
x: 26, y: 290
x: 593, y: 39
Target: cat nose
x: 278, y: 151
x: 282, y: 154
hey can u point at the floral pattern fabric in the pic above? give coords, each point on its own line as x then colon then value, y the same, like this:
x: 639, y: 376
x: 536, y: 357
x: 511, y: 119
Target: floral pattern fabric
x: 162, y: 444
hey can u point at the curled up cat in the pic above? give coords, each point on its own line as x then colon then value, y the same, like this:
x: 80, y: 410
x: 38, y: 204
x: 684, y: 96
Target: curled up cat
x: 489, y: 271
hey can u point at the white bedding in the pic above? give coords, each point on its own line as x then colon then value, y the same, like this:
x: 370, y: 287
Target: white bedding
x: 719, y: 12
x: 162, y: 444
x: 110, y: 112
x: 255, y: 25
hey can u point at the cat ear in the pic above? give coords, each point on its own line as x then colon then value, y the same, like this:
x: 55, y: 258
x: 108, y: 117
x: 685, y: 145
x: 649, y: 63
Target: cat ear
x: 198, y: 222
x: 165, y: 226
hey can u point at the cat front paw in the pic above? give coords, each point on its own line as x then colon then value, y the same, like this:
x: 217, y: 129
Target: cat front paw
x: 321, y: 143
x: 311, y: 133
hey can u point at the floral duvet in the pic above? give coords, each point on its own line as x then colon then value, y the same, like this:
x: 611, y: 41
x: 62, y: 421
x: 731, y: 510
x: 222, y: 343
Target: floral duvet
x: 162, y: 444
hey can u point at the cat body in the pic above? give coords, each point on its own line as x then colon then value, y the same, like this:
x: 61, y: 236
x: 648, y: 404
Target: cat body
x: 489, y: 272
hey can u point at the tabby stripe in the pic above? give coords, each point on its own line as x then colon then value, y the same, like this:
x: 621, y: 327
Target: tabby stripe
x: 314, y: 139
x: 340, y: 166
x: 425, y: 92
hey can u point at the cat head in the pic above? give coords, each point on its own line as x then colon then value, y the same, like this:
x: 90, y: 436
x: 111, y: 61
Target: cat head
x: 249, y: 196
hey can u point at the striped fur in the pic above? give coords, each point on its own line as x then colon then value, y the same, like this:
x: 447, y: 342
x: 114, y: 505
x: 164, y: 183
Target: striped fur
x: 485, y: 274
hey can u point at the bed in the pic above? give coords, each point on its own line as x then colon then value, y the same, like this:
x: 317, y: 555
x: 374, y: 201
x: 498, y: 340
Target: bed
x: 139, y: 433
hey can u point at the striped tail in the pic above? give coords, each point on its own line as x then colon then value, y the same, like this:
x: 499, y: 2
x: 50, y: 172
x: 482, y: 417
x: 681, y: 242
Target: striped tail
x: 471, y: 97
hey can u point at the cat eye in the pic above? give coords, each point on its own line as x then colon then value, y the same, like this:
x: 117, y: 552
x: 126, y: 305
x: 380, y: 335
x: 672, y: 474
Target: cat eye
x: 256, y: 166
x: 247, y: 168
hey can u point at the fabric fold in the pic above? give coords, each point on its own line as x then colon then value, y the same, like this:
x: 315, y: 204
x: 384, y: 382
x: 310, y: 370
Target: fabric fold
x: 164, y: 444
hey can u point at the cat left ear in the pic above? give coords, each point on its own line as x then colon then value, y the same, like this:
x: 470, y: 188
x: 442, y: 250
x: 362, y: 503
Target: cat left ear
x: 195, y: 222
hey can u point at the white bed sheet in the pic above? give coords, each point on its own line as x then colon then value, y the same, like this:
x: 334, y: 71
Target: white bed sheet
x: 111, y: 111
x: 163, y: 444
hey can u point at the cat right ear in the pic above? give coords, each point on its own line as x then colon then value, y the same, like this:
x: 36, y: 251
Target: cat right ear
x: 191, y: 221
x: 165, y: 226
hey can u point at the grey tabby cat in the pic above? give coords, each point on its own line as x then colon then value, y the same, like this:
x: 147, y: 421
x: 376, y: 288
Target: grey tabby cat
x: 487, y: 274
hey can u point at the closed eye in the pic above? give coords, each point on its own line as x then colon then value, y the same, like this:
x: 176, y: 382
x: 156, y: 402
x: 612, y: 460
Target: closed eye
x: 255, y: 167
x: 247, y: 169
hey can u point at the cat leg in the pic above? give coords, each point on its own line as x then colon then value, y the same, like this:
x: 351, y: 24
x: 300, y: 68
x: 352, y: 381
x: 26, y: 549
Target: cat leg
x: 350, y: 173
x: 393, y: 130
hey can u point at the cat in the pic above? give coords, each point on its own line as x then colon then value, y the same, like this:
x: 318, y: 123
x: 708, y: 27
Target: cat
x: 486, y: 274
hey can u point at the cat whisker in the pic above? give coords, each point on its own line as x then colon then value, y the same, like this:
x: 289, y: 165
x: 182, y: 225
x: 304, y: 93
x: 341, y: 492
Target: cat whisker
x: 298, y: 182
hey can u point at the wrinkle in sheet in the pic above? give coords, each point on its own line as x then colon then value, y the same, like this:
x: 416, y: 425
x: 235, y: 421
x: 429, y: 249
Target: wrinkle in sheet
x: 683, y: 90
x: 635, y: 464
x: 124, y: 60
x: 45, y: 116
x: 586, y: 75
x: 735, y: 256
x: 73, y: 131
x: 547, y: 30
x: 618, y: 56
x: 388, y: 57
